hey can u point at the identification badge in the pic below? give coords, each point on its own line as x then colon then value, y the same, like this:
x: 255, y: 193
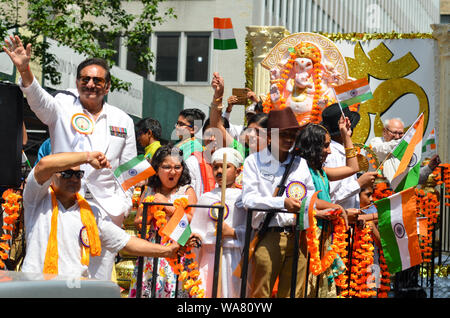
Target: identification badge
x: 82, y: 124
x: 84, y: 238
x: 118, y: 131
x: 296, y: 190
x: 214, y: 213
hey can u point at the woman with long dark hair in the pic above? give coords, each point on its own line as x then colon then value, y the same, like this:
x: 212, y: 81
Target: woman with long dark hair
x: 314, y: 141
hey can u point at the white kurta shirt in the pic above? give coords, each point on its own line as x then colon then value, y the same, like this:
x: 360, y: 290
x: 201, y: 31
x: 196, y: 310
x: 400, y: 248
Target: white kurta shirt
x: 38, y: 214
x: 205, y: 226
x: 261, y: 175
x: 382, y: 148
x: 344, y: 192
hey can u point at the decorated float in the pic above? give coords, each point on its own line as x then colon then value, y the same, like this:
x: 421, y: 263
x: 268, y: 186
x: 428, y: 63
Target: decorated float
x: 304, y: 68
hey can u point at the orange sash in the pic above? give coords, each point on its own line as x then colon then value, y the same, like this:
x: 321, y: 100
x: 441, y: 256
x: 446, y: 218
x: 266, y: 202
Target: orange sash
x: 88, y: 220
x: 209, y: 183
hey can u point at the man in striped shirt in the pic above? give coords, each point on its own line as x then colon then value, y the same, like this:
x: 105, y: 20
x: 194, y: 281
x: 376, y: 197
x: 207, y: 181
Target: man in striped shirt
x: 393, y: 132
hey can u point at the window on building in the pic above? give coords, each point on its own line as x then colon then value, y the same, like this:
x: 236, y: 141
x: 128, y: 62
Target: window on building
x: 132, y: 61
x: 197, y: 58
x: 167, y: 57
x: 183, y: 57
x: 103, y: 42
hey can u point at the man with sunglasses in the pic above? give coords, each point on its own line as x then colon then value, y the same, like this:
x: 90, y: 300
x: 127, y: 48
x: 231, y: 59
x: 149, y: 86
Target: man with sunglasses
x: 51, y: 193
x: 81, y: 120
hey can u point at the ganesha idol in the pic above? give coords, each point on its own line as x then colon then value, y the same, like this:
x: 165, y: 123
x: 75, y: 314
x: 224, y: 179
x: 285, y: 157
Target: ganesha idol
x: 302, y: 75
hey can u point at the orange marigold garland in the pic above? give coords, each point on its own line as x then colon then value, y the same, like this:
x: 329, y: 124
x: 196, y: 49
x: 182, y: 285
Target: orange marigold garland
x: 385, y: 280
x: 381, y: 190
x: 428, y: 207
x: 361, y: 281
x: 186, y: 270
x: 363, y: 260
x: 11, y: 208
x: 318, y: 265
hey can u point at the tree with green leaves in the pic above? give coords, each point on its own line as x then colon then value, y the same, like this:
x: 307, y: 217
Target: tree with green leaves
x: 82, y: 25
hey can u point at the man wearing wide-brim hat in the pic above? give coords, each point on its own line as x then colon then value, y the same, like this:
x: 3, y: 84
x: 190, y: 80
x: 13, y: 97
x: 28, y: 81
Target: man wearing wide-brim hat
x: 262, y: 173
x: 344, y: 192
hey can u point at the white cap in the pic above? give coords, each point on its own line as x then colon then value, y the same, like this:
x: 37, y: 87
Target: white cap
x: 233, y: 156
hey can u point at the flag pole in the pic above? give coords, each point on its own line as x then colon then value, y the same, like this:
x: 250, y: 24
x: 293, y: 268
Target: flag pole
x: 219, y: 226
x: 339, y: 103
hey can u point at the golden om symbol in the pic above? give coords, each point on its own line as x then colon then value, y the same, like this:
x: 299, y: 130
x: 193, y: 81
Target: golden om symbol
x: 377, y: 65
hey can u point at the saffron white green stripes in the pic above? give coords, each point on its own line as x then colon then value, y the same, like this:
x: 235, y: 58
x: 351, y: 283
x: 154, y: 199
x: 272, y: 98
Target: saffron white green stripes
x: 305, y: 216
x: 398, y: 230
x: 353, y: 92
x: 430, y: 143
x: 409, y: 153
x: 178, y: 228
x: 224, y: 38
x: 133, y: 171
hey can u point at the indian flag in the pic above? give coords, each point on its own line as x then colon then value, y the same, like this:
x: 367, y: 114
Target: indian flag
x: 397, y: 225
x: 353, y: 92
x: 223, y: 34
x: 133, y: 172
x: 305, y: 217
x: 408, y: 153
x: 178, y: 228
x: 430, y: 143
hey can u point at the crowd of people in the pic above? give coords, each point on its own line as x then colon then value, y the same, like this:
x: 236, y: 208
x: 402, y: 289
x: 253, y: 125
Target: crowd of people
x: 74, y: 208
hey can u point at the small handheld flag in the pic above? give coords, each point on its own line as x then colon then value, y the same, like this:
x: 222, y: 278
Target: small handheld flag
x: 223, y: 34
x: 408, y: 154
x: 354, y: 92
x: 178, y: 228
x: 133, y: 172
x: 430, y: 143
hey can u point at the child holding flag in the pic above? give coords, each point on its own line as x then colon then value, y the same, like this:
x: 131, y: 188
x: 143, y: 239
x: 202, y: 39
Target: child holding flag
x: 204, y: 223
x: 170, y: 182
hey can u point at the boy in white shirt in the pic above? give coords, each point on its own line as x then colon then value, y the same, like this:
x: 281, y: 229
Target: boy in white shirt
x: 204, y: 223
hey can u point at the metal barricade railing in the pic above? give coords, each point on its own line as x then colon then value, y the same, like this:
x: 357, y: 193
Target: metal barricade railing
x: 429, y: 267
x: 440, y: 243
x: 246, y: 251
x: 143, y: 233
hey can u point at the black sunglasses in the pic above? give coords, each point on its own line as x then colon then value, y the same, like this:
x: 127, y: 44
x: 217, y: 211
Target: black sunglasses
x: 98, y: 81
x: 67, y: 174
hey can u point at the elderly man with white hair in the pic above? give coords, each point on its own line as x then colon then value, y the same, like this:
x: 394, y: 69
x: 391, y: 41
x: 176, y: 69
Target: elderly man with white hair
x: 393, y: 132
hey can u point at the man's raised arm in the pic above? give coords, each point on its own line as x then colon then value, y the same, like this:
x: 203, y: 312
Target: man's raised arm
x: 51, y: 164
x: 21, y: 57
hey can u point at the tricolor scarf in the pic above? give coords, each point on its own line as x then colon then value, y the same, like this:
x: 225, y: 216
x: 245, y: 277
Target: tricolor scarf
x: 88, y: 220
